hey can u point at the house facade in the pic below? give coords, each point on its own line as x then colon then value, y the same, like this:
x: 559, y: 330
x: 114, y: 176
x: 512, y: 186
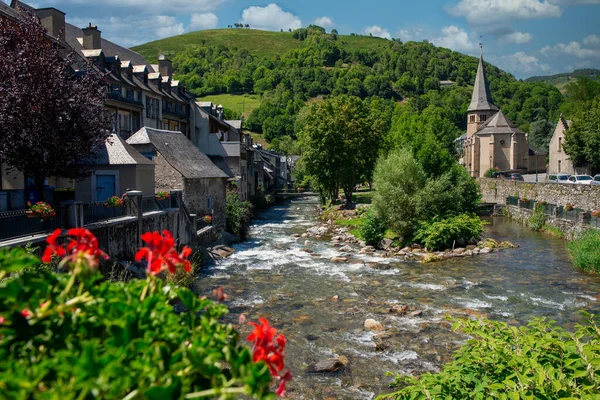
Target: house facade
x: 560, y: 162
x: 181, y: 165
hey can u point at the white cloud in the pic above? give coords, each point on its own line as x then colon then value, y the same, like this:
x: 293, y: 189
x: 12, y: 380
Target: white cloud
x: 324, y: 22
x: 203, y: 21
x: 572, y: 49
x: 574, y: 2
x: 158, y: 6
x: 406, y: 35
x: 520, y: 64
x: 377, y: 31
x: 271, y: 17
x: 456, y: 39
x: 492, y: 12
x: 592, y: 40
x: 518, y: 37
x: 132, y: 30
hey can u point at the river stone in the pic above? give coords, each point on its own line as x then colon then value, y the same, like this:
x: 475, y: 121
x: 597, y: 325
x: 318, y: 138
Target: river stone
x: 346, y: 249
x: 399, y: 309
x: 311, y: 338
x: 304, y: 235
x: 329, y: 365
x: 352, y: 310
x: 336, y: 238
x: 386, y: 244
x: 295, y: 235
x: 302, y: 320
x: 471, y: 247
x: 485, y: 250
x: 416, y: 246
x: 367, y: 250
x: 307, y: 250
x: 372, y: 325
x: 415, y: 313
x: 338, y: 259
x: 469, y: 253
x: 460, y: 250
x: 476, y: 250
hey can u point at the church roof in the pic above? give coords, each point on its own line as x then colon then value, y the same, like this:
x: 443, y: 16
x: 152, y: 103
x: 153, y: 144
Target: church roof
x: 498, y: 124
x: 482, y: 97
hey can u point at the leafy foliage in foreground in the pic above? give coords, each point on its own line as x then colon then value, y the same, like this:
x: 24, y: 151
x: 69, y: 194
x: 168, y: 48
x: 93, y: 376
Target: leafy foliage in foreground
x: 585, y: 251
x: 110, y: 340
x: 441, y: 233
x: 541, y: 361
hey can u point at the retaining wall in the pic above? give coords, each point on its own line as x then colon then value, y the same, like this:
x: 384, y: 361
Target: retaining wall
x: 569, y: 228
x: 583, y: 196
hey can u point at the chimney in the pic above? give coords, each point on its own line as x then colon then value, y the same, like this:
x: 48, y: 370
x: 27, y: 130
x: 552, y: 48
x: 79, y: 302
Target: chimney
x: 164, y: 66
x: 53, y: 21
x: 92, y: 38
x: 220, y: 112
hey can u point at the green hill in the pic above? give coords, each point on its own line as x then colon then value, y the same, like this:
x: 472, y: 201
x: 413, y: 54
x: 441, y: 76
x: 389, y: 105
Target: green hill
x: 258, y: 43
x: 560, y: 81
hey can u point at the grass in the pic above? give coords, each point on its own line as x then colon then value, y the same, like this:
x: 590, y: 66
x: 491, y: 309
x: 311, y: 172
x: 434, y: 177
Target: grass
x: 585, y: 251
x: 554, y: 231
x: 243, y: 104
x: 259, y: 139
x: 258, y: 43
x: 362, y: 197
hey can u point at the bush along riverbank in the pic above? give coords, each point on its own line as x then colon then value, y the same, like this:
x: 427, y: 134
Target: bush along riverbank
x: 76, y: 335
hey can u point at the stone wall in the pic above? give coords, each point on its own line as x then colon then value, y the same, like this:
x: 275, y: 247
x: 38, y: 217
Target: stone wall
x: 195, y: 197
x: 583, y: 196
x: 570, y: 229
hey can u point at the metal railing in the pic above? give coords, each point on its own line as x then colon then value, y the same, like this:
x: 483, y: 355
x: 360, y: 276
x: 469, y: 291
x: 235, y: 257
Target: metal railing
x: 96, y: 212
x: 16, y: 224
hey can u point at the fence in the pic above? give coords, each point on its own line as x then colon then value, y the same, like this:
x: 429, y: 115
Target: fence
x: 96, y: 212
x: 15, y: 224
x: 575, y: 215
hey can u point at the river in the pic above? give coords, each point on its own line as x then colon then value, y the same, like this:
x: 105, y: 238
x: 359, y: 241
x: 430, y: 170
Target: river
x: 270, y: 276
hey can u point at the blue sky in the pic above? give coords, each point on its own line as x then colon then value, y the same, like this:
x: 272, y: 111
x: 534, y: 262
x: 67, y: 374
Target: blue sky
x: 523, y: 37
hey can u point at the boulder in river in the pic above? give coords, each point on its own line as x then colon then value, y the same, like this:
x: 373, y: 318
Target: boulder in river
x: 367, y: 250
x: 399, y: 309
x: 329, y: 365
x: 338, y: 259
x: 386, y: 244
x: 373, y: 325
x: 485, y: 250
x: 346, y: 249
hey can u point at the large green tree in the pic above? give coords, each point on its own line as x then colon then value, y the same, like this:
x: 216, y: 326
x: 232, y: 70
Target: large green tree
x: 582, y: 141
x: 340, y: 138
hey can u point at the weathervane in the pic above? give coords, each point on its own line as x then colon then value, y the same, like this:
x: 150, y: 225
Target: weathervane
x: 481, y: 46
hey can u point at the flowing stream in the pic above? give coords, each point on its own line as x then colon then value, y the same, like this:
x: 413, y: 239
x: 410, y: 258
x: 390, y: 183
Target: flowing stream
x: 271, y: 276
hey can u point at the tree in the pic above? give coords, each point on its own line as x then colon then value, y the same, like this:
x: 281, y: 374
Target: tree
x: 52, y: 119
x: 540, y: 134
x: 582, y: 139
x: 341, y: 138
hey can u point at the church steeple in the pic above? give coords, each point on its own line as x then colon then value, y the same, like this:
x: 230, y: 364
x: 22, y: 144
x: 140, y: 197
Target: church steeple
x: 482, y: 98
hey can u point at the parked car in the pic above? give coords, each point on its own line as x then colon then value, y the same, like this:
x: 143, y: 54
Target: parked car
x: 596, y: 180
x: 515, y: 176
x: 580, y: 180
x: 558, y: 178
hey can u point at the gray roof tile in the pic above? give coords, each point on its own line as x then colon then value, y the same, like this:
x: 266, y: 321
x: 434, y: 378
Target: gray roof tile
x: 482, y: 97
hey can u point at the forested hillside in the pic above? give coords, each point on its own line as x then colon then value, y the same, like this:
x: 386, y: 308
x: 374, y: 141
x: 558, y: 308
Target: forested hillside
x: 560, y: 81
x: 289, y: 69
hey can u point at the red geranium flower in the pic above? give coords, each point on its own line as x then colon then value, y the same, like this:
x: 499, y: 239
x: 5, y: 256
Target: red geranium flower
x: 80, y: 241
x: 271, y: 349
x: 160, y: 253
x: 26, y: 313
x: 1, y: 320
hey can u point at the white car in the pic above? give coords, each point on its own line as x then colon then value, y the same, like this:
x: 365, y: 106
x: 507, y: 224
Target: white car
x: 596, y: 180
x: 580, y: 180
x: 559, y: 178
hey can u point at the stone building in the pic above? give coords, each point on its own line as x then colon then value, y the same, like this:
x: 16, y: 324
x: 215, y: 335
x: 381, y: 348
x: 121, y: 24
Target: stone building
x: 560, y: 162
x: 492, y: 140
x: 181, y: 165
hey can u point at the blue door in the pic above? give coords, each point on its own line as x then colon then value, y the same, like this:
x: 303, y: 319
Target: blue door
x: 105, y: 187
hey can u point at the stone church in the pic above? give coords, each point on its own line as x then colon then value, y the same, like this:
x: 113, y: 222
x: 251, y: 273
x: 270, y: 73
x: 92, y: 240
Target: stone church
x: 492, y: 140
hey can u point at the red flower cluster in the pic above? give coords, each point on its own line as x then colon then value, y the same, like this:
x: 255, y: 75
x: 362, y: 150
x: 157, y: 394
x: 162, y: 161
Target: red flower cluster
x: 569, y: 206
x: 160, y: 252
x: 41, y: 209
x: 270, y: 349
x: 80, y: 241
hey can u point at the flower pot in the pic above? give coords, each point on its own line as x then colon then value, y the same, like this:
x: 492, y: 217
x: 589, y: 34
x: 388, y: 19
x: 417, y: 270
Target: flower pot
x: 31, y: 214
x: 161, y: 198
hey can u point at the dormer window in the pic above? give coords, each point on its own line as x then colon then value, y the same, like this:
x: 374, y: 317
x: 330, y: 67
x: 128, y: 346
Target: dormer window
x: 471, y: 118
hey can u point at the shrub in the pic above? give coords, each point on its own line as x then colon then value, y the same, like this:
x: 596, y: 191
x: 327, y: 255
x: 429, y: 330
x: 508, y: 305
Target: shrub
x: 65, y: 336
x: 404, y: 196
x: 238, y: 214
x: 490, y: 172
x: 439, y: 234
x: 373, y: 228
x: 541, y: 361
x: 537, y: 219
x: 114, y: 202
x: 585, y: 251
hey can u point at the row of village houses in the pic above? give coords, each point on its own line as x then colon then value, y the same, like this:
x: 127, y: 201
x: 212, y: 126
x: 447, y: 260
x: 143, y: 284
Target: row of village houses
x: 162, y: 137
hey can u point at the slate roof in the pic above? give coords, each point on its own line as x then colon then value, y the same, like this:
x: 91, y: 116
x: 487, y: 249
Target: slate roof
x: 116, y: 151
x: 498, y: 124
x: 236, y: 123
x: 481, y: 100
x: 229, y: 165
x: 179, y: 152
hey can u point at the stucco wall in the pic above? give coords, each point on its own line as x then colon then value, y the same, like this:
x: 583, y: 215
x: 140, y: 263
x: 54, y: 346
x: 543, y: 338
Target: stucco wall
x: 140, y: 177
x: 583, y: 196
x: 196, y: 193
